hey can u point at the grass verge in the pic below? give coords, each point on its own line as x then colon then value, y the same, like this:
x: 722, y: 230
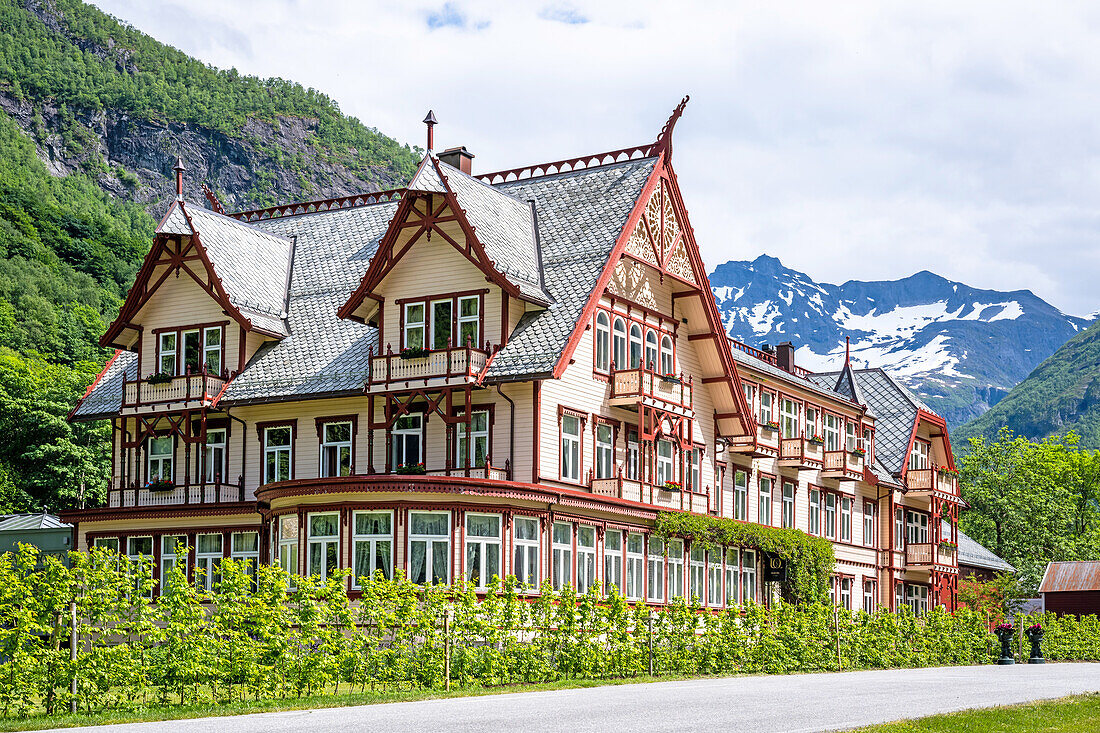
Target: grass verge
x: 1076, y: 714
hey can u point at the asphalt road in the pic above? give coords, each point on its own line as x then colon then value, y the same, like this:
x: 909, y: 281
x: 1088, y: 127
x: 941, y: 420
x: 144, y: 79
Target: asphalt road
x: 812, y: 702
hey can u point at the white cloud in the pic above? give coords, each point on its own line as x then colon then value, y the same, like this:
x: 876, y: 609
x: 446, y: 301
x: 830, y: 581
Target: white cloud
x: 862, y: 140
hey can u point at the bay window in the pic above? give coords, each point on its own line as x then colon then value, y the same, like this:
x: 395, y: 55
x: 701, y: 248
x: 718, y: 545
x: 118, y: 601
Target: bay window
x: 586, y: 558
x: 429, y: 547
x: 675, y: 569
x: 277, y: 453
x: 406, y: 441
x: 570, y: 447
x: 414, y: 327
x: 612, y: 561
x: 324, y: 544
x: 604, y: 451
x: 287, y: 549
x: 618, y: 344
x: 740, y: 495
x: 469, y: 321
x: 602, y: 361
x: 525, y: 564
x: 764, y: 507
x: 655, y: 570
x: 483, y: 540
x: 697, y: 572
x: 208, y: 560
x: 371, y: 545
x: 336, y: 449
x: 561, y: 559
x: 472, y: 446
x: 635, y: 559
x: 664, y: 462
x: 160, y: 451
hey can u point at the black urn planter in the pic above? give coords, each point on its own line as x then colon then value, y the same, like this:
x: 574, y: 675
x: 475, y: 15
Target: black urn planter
x: 1035, y: 636
x: 1005, y: 635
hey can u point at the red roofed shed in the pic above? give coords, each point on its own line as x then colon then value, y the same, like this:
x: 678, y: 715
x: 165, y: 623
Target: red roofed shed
x: 1072, y: 587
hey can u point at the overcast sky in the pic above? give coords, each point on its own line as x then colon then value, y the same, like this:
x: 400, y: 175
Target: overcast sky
x: 853, y: 140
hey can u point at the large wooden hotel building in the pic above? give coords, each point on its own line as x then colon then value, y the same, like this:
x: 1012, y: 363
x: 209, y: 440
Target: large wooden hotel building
x: 494, y: 374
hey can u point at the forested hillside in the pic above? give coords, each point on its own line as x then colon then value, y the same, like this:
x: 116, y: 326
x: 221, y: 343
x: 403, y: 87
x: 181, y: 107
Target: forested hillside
x: 92, y: 116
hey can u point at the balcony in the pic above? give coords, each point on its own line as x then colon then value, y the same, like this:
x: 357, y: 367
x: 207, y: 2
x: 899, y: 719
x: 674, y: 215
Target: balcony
x: 632, y: 388
x: 488, y: 471
x: 183, y: 392
x: 452, y: 366
x: 843, y: 465
x: 926, y: 481
x: 929, y: 553
x: 179, y: 495
x: 646, y: 493
x: 801, y: 453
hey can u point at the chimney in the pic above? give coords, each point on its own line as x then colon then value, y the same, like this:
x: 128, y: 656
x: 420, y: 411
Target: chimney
x: 459, y: 157
x: 179, y: 169
x: 431, y: 122
x: 784, y: 356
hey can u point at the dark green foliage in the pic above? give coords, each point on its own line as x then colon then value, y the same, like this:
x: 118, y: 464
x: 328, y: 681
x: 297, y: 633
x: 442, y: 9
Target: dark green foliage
x: 1060, y: 396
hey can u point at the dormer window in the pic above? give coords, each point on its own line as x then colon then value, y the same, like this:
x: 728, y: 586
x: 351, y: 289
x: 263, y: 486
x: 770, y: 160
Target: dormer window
x: 414, y: 326
x: 918, y: 457
x: 469, y: 321
x: 441, y: 323
x: 212, y: 350
x: 201, y: 349
x: 166, y: 349
x: 451, y: 321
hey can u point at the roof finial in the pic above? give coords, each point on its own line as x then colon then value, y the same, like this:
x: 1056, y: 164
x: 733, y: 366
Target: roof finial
x: 179, y: 169
x: 847, y: 350
x: 664, y: 139
x: 430, y: 121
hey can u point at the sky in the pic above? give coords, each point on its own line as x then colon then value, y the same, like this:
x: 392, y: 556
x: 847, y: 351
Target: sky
x: 852, y: 140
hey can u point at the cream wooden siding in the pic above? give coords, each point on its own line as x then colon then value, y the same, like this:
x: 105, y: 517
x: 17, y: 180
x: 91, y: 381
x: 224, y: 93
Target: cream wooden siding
x: 151, y: 526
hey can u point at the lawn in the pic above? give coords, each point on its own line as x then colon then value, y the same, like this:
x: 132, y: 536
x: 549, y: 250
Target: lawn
x: 1078, y: 714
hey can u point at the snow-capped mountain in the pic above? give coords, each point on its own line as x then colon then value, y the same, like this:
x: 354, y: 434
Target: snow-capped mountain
x: 960, y: 348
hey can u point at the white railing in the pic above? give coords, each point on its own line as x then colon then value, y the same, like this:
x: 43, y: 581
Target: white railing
x: 463, y: 362
x: 177, y: 495
x: 634, y: 384
x: 183, y: 388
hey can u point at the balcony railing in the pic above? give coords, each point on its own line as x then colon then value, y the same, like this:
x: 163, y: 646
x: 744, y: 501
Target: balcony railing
x: 631, y: 386
x: 801, y: 453
x: 464, y: 363
x: 620, y: 487
x: 141, y: 496
x: 935, y: 478
x: 185, y: 390
x: 489, y: 471
x: 843, y: 464
x: 930, y: 553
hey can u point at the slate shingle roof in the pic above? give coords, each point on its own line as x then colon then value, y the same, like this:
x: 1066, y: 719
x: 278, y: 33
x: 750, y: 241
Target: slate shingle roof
x: 974, y: 554
x: 105, y: 397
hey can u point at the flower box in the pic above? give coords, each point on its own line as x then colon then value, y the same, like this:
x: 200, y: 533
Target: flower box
x: 411, y: 469
x: 858, y: 452
x: 816, y: 440
x: 159, y: 378
x: 948, y: 544
x: 770, y: 425
x: 415, y: 352
x: 160, y: 485
x: 673, y: 486
x: 670, y: 379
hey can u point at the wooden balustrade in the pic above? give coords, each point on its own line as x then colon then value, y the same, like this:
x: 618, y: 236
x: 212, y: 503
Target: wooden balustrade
x: 179, y: 494
x: 461, y: 362
x: 918, y: 553
x: 620, y: 487
x: 190, y: 390
x: 631, y: 386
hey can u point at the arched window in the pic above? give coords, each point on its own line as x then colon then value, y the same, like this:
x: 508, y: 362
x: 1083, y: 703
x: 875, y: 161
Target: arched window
x: 668, y: 366
x: 635, y: 345
x: 603, y: 341
x: 618, y: 353
x: 651, y: 349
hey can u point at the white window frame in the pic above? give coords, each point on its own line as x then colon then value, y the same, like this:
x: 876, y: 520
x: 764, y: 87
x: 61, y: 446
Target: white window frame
x: 602, y: 357
x: 830, y: 429
x: 430, y: 541
x: 697, y: 574
x: 714, y: 578
x: 285, y: 547
x: 851, y: 436
x: 571, y: 447
x: 526, y: 552
x: 844, y: 586
x: 612, y: 561
x: 635, y: 563
x: 675, y: 552
x: 331, y: 445
x: 767, y: 403
x: 184, y: 366
x: 161, y: 459
x: 561, y: 556
x: 764, y: 501
x: 917, y: 597
x: 636, y: 356
x: 741, y: 495
x: 869, y: 596
x: 273, y: 450
x: 214, y: 349
x: 413, y: 325
x: 605, y: 450
x: 169, y: 558
x: 586, y: 557
x: 619, y: 349
x: 789, y: 417
x: 372, y: 541
x: 919, y: 456
x: 899, y: 528
x: 695, y: 474
x: 845, y: 519
x: 633, y: 457
x: 916, y: 527
x: 323, y: 543
x: 399, y: 434
x: 242, y: 554
x: 869, y: 514
x: 655, y: 569
x: 208, y: 562
x: 652, y: 350
x: 831, y: 515
x: 668, y: 356
x: 466, y: 320
x: 484, y: 572
x: 434, y: 323
x: 733, y: 576
x: 141, y: 561
x: 748, y: 575
x: 168, y: 351
x: 788, y: 504
x: 464, y: 458
x: 813, y: 517
x: 665, y: 464
x: 810, y: 429
x: 214, y: 455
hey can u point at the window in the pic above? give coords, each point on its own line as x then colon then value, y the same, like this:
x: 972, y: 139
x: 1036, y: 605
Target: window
x: 918, y: 457
x: 482, y: 548
x: 612, y: 561
x: 788, y: 410
x: 633, y: 459
x: 655, y: 570
x: 469, y: 321
x: 634, y: 561
x: 813, y: 519
x: 324, y: 544
x: 916, y: 527
x: 851, y: 441
x: 244, y: 547
x: 405, y: 441
x: 212, y: 350
x: 277, y: 453
x: 429, y: 547
x: 831, y: 432
x: 788, y: 504
x: 651, y: 350
x: 586, y: 558
x: 604, y: 451
x: 899, y: 529
x: 140, y: 552
x: 830, y: 516
x: 561, y: 561
x: 868, y: 444
x: 714, y: 578
x: 811, y: 422
x: 675, y: 568
x: 371, y: 545
x: 603, y: 342
x: 336, y: 449
x: 695, y: 475
x: 664, y: 462
x: 917, y: 596
x: 845, y: 585
x: 570, y: 447
x: 748, y: 575
x: 618, y: 343
x: 869, y: 523
x: 213, y: 456
x: 208, y: 560
x: 697, y: 573
x: 442, y: 311
x: 899, y: 597
x: 731, y: 577
x: 764, y: 507
x: 740, y: 495
x: 166, y: 353
x: 106, y: 543
x: 635, y: 345
x: 869, y: 596
x: 192, y: 351
x: 750, y: 395
x: 287, y: 550
x: 526, y: 564
x: 414, y: 326
x: 846, y: 519
x: 765, y: 407
x: 472, y: 450
x: 668, y: 363
x: 160, y: 458
x: 170, y: 559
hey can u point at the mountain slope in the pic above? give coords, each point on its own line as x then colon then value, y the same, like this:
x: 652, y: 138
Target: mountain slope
x: 1061, y: 395
x: 960, y: 348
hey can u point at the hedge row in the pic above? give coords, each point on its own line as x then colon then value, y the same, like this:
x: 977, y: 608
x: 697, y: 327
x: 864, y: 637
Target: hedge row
x: 256, y: 637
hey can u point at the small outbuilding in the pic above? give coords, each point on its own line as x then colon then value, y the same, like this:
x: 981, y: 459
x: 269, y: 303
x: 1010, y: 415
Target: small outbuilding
x: 1071, y: 587
x: 45, y: 531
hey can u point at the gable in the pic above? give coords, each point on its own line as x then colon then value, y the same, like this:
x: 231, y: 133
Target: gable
x: 658, y: 238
